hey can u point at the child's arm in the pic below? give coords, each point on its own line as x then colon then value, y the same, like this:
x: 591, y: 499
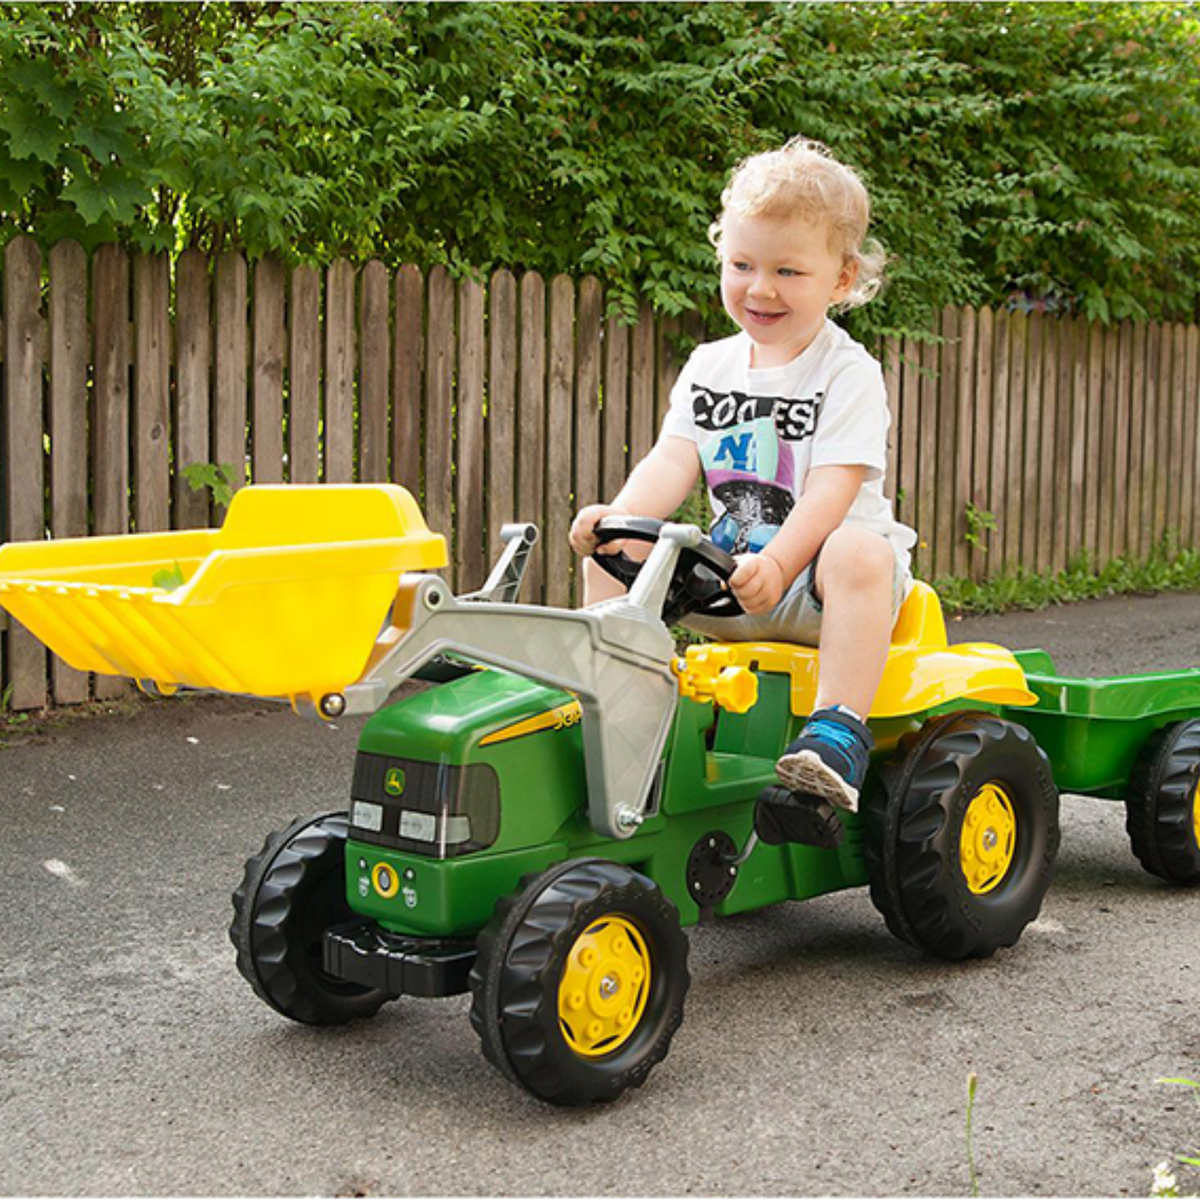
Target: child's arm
x: 656, y: 487
x: 761, y: 579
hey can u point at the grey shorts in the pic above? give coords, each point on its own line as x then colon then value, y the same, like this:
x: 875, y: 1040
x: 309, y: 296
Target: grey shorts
x: 796, y: 618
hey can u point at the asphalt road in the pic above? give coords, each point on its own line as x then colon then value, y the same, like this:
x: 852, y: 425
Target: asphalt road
x: 818, y: 1056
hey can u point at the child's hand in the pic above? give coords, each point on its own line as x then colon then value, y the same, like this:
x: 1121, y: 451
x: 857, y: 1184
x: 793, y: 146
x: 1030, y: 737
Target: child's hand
x: 582, y: 538
x: 758, y: 582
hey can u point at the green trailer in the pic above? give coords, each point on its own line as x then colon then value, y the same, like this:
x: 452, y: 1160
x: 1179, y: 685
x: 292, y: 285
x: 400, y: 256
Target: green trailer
x: 554, y: 795
x: 1131, y: 738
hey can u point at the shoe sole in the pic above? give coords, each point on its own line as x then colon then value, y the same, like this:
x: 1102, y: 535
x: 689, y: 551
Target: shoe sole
x: 805, y: 772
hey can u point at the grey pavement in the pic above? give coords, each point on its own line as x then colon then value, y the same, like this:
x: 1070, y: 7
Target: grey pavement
x: 818, y: 1055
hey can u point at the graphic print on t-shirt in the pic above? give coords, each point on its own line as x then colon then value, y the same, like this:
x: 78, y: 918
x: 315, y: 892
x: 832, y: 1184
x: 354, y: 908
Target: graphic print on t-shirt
x: 748, y: 462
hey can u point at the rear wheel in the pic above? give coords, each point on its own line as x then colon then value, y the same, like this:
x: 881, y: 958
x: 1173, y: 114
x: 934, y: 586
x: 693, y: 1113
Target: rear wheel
x: 579, y: 982
x: 961, y: 841
x: 294, y: 889
x: 1162, y: 809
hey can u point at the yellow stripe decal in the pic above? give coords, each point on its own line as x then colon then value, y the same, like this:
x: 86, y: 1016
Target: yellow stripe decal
x: 557, y: 718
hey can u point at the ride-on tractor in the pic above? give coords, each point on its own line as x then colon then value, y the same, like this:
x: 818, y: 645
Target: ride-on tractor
x: 558, y: 793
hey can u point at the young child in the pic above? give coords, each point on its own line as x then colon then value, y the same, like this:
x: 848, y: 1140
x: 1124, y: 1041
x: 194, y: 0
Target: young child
x: 788, y: 420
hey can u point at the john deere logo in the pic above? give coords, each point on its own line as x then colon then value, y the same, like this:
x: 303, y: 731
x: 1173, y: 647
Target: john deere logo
x: 393, y: 784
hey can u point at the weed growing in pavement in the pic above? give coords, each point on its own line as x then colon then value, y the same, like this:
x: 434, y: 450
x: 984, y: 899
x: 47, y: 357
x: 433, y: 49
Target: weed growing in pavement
x: 1165, y: 1184
x: 972, y: 1084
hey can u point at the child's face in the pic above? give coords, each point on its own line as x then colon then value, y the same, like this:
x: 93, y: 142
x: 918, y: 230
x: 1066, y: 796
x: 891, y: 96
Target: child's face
x: 778, y: 280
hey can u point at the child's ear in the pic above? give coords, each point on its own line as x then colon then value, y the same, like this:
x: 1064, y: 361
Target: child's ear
x: 846, y: 279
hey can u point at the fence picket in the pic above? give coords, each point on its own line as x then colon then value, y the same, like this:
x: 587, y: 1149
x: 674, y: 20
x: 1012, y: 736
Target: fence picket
x: 266, y: 435
x: 615, y: 415
x: 110, y: 408
x: 469, y: 476
x: 1150, y: 446
x: 1178, y: 377
x: 1059, y: 471
x: 642, y: 429
x: 1030, y: 443
x: 964, y: 392
x: 1191, y: 438
x: 1120, y: 538
x: 229, y: 395
x: 907, y: 507
x: 982, y: 539
x: 560, y: 387
x: 588, y: 360
x: 339, y: 372
x: 501, y: 490
x: 1133, y: 490
x: 947, y: 443
x: 373, y: 321
x: 408, y: 363
x: 1092, y: 483
x: 531, y: 423
x: 25, y: 468
x: 68, y: 424
x: 439, y: 412
x: 304, y: 377
x: 1018, y: 351
x: 151, y: 393
x: 1045, y: 445
x: 193, y: 339
x: 1106, y: 467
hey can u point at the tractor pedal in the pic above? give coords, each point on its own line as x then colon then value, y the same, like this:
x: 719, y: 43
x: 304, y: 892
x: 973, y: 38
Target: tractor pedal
x: 786, y: 816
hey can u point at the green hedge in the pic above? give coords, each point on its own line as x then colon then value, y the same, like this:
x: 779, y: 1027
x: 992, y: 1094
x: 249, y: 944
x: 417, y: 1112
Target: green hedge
x: 1045, y: 149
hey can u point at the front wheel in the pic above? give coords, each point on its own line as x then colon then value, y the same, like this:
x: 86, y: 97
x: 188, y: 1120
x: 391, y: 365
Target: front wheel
x: 294, y: 889
x: 579, y: 982
x: 960, y: 847
x: 1162, y: 809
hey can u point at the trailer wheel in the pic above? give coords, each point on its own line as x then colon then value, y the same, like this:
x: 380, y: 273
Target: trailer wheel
x: 293, y: 889
x: 579, y: 982
x: 960, y: 842
x: 1162, y: 808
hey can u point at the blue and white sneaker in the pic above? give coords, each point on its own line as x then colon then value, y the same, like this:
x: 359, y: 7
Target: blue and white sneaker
x: 829, y: 759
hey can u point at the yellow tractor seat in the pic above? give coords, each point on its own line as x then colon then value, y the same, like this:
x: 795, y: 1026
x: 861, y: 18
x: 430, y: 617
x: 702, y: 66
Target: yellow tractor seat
x: 923, y: 671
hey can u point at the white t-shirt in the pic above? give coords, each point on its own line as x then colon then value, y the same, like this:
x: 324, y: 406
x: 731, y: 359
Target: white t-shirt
x: 759, y: 431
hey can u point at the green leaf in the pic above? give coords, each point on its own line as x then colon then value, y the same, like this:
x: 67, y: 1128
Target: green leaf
x: 30, y: 133
x: 169, y: 578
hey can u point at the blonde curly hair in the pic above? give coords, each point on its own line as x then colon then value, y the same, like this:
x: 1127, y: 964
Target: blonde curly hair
x: 803, y: 179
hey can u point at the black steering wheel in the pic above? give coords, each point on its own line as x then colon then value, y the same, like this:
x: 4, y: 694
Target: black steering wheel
x: 701, y: 574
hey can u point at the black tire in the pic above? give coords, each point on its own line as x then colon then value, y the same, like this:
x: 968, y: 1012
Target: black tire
x: 293, y: 890
x: 1162, y: 808
x: 914, y: 847
x: 524, y: 955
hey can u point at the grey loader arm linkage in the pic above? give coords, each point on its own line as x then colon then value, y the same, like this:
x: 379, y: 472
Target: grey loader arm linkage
x: 615, y: 656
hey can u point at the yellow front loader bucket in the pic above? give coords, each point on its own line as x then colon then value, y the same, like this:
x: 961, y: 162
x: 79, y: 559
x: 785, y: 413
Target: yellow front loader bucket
x: 285, y: 599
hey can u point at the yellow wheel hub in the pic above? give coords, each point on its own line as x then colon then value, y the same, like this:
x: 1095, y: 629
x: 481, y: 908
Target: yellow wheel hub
x: 989, y: 835
x: 604, y: 987
x: 1196, y: 814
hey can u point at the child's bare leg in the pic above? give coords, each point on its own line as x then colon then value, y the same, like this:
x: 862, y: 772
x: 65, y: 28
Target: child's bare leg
x: 599, y: 585
x: 855, y: 578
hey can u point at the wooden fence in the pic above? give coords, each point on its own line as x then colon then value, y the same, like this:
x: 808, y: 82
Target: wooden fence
x: 519, y: 400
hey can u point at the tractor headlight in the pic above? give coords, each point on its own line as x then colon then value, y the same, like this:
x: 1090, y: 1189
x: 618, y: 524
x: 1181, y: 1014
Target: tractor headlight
x: 434, y: 809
